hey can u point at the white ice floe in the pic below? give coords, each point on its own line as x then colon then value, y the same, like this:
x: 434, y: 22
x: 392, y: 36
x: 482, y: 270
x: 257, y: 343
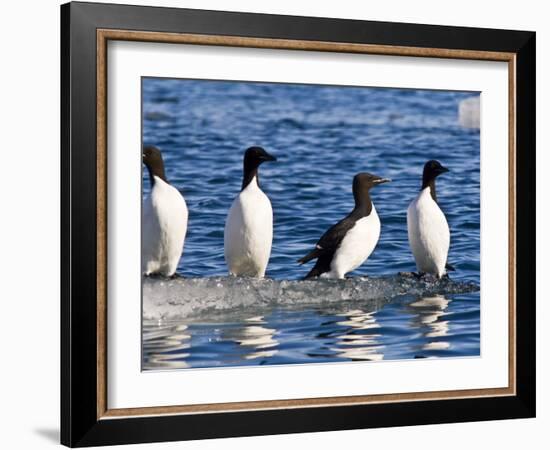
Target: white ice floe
x: 468, y: 112
x: 195, y: 297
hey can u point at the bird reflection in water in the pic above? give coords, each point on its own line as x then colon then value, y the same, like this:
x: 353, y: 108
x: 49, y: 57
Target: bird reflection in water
x: 359, y: 341
x: 429, y: 317
x: 166, y: 348
x: 258, y: 338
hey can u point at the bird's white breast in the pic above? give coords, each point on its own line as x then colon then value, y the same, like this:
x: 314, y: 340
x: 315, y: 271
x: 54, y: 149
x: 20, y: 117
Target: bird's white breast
x: 164, y: 226
x: 249, y: 232
x: 357, y: 245
x: 429, y: 235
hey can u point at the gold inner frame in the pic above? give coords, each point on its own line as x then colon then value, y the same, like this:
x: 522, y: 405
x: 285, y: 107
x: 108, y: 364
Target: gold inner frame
x: 104, y: 35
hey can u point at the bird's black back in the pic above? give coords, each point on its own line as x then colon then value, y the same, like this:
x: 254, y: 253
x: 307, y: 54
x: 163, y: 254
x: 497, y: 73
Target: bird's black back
x: 333, y: 237
x: 329, y: 243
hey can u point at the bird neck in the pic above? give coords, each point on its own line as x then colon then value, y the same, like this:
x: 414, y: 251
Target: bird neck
x: 250, y: 172
x: 431, y: 184
x: 363, y: 203
x: 156, y: 171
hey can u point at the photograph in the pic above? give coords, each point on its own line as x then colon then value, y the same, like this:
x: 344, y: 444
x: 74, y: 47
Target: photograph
x: 291, y: 223
x: 299, y: 223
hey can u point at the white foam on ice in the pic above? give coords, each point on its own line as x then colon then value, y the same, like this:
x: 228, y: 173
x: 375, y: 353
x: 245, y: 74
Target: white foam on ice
x: 468, y: 112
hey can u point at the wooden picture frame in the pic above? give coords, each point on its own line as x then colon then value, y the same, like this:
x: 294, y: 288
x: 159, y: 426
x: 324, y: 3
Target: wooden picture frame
x: 85, y: 416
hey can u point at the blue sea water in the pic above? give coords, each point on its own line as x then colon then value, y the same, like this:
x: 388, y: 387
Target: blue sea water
x: 322, y: 136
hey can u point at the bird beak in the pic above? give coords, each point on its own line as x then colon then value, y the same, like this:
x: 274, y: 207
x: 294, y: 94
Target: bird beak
x: 382, y: 180
x: 443, y: 169
x: 269, y: 157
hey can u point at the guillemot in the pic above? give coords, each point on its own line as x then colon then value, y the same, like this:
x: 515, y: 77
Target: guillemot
x: 164, y: 220
x: 429, y: 235
x: 347, y: 244
x: 249, y: 226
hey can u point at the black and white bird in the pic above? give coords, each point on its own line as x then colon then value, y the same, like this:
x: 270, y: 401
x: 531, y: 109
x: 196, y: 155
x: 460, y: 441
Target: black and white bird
x: 429, y: 235
x: 164, y: 220
x: 348, y: 244
x: 249, y: 226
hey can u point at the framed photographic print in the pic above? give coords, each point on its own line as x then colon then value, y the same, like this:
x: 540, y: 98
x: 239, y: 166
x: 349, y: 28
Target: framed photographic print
x: 276, y: 224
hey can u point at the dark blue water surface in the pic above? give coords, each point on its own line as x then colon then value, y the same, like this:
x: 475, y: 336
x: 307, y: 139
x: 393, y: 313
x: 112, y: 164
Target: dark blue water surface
x: 322, y: 136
